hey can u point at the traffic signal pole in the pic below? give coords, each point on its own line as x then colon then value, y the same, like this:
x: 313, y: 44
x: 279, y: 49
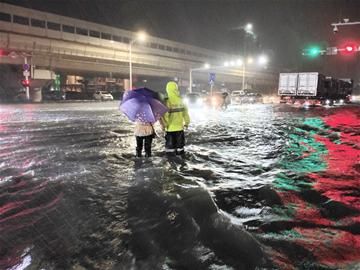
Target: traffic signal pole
x: 345, y: 23
x: 26, y: 74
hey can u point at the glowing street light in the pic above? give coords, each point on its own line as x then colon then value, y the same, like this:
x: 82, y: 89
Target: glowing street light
x: 263, y: 60
x: 205, y: 67
x: 250, y: 60
x: 248, y: 28
x: 140, y: 37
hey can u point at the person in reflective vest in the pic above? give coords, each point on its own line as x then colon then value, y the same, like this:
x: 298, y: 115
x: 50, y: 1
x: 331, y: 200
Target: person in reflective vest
x: 175, y: 120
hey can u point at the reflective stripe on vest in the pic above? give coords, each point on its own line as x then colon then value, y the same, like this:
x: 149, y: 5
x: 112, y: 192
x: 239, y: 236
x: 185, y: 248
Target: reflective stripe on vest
x: 175, y: 110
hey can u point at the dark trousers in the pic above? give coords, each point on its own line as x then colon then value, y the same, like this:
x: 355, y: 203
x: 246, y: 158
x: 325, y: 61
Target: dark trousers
x: 140, y: 143
x: 175, y: 142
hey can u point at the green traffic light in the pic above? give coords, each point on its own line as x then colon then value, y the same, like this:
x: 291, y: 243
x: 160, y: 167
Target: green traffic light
x: 314, y: 51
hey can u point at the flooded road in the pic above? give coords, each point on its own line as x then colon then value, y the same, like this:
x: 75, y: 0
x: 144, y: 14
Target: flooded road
x: 261, y: 187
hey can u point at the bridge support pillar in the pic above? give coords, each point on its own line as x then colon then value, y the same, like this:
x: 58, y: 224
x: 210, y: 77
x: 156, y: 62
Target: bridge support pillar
x: 127, y: 84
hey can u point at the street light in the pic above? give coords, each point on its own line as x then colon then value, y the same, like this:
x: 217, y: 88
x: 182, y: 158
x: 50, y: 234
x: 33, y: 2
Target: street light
x: 140, y: 37
x: 262, y: 60
x: 248, y: 28
x: 205, y: 67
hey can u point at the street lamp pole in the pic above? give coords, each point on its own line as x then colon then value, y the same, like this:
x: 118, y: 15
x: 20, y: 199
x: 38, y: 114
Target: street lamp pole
x: 206, y: 67
x: 190, y: 80
x: 141, y: 37
x: 243, y: 75
x: 130, y: 63
x: 248, y: 31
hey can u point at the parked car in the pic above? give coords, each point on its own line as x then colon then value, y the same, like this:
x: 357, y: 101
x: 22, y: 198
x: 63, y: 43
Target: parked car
x: 237, y: 96
x: 103, y: 95
x: 193, y: 100
x: 53, y: 95
x: 252, y: 97
x: 246, y: 97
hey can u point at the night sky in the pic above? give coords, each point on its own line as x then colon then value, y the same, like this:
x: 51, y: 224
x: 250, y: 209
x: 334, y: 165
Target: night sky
x: 283, y: 27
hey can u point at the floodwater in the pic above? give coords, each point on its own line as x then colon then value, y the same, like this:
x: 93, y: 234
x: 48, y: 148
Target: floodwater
x: 261, y: 187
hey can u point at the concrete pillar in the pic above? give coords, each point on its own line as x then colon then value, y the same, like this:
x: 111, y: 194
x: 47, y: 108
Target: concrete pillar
x: 126, y: 84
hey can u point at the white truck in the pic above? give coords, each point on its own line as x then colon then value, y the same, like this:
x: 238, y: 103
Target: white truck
x: 313, y: 88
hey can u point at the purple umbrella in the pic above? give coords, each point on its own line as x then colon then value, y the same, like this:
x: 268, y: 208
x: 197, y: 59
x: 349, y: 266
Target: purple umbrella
x: 141, y: 105
x: 140, y: 91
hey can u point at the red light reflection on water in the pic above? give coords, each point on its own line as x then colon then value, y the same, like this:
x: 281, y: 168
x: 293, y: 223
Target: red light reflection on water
x: 24, y: 203
x: 331, y: 240
x: 342, y: 178
x: 330, y: 247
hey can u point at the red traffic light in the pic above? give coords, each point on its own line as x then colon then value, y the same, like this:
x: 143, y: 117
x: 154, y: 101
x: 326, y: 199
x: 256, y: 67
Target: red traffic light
x: 349, y: 48
x: 3, y: 53
x: 25, y: 83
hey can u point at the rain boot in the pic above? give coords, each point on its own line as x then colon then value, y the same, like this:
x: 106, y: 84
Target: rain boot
x: 139, y: 146
x: 148, y: 141
x: 180, y: 153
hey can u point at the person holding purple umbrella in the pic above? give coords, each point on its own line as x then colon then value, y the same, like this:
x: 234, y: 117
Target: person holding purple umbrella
x: 143, y: 107
x: 144, y: 134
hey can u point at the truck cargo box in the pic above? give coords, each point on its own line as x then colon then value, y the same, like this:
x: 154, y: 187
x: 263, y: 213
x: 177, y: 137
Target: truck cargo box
x: 311, y: 84
x: 288, y: 84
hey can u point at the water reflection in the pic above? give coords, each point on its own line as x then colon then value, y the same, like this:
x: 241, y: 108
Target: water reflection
x: 261, y: 186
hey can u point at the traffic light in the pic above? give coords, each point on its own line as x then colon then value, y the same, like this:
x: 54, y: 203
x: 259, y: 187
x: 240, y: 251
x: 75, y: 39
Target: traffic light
x: 3, y: 53
x: 350, y: 48
x: 313, y: 51
x: 25, y: 82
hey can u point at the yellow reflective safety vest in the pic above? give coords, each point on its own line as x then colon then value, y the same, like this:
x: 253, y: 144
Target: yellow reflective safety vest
x: 177, y: 116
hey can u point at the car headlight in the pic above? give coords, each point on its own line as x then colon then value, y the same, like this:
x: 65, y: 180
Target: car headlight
x: 327, y: 102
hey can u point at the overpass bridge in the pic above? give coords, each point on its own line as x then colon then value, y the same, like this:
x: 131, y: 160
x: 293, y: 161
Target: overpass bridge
x: 67, y: 44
